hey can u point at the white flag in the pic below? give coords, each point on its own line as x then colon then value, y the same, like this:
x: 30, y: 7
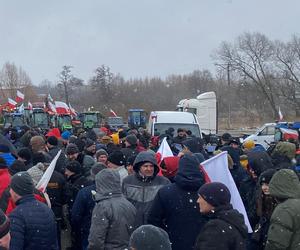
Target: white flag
x: 42, y: 185
x: 217, y: 170
x: 280, y: 114
x: 164, y: 150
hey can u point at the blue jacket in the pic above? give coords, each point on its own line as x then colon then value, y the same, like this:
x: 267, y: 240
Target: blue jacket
x: 82, y: 213
x: 9, y: 159
x: 32, y: 226
x: 175, y: 207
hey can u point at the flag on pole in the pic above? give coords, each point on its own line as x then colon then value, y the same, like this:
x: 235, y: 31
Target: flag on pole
x: 112, y: 113
x: 21, y: 109
x: 30, y: 106
x: 20, y: 96
x: 61, y: 108
x: 42, y: 185
x: 280, y: 114
x: 72, y: 110
x: 50, y: 99
x: 11, y: 103
x: 217, y: 170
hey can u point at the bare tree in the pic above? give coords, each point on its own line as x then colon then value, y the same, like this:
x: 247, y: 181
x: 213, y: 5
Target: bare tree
x: 65, y: 77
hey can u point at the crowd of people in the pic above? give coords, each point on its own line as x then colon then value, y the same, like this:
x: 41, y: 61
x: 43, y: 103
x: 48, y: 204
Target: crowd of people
x: 112, y: 190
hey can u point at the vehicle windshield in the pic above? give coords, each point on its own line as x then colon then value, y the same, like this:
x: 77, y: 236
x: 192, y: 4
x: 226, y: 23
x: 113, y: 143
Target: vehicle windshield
x: 115, y: 120
x: 65, y: 119
x: 160, y: 128
x: 90, y: 117
x: 40, y: 119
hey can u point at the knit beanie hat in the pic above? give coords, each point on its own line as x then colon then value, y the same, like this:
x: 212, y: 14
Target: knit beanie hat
x: 22, y: 183
x: 117, y: 158
x: 72, y: 149
x: 131, y: 139
x: 66, y: 135
x: 74, y: 166
x: 52, y: 140
x: 215, y: 193
x: 101, y: 152
x: 266, y: 176
x: 16, y: 167
x: 36, y: 172
x: 4, y: 224
x: 148, y: 237
x: 89, y: 143
x: 25, y: 154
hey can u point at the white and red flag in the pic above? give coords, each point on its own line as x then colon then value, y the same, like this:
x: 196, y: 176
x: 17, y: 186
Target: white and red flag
x: 11, y: 103
x: 61, y: 108
x: 30, y: 106
x: 72, y: 110
x: 217, y: 170
x: 112, y: 113
x: 20, y: 96
x: 42, y: 184
x: 163, y: 151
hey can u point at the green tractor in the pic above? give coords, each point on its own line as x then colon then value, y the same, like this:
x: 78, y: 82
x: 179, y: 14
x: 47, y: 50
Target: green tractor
x: 91, y: 119
x: 64, y: 122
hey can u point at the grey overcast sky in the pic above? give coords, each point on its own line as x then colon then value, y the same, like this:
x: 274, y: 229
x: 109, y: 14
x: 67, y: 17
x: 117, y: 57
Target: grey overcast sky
x: 136, y: 38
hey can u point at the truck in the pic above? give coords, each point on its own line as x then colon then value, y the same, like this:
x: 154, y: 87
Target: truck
x: 204, y: 106
x: 115, y: 122
x: 160, y: 121
x: 136, y: 118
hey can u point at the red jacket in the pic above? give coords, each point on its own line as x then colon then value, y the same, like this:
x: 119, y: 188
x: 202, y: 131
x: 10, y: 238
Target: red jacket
x: 4, y: 179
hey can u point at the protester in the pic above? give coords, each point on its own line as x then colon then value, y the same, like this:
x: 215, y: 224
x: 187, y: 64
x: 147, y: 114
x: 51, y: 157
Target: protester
x: 24, y: 155
x: 181, y: 136
x: 130, y: 149
x: 17, y: 166
x: 148, y: 237
x: 4, y: 176
x: 141, y: 188
x: 113, y: 216
x: 32, y: 222
x: 284, y: 230
x: 4, y: 231
x: 129, y: 164
x: 83, y: 207
x: 90, y: 147
x: 101, y: 156
x: 6, y: 155
x: 226, y: 228
x: 174, y: 208
x: 53, y: 149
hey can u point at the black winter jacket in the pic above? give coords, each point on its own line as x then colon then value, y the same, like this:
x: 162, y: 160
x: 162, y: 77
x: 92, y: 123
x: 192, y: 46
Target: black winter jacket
x: 32, y: 226
x: 225, y: 230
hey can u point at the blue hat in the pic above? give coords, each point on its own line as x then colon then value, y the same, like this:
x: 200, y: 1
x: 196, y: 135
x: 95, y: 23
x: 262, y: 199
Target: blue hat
x: 66, y: 135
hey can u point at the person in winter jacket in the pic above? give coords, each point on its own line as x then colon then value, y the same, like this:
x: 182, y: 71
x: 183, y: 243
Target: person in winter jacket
x: 141, y: 188
x: 265, y: 207
x: 175, y: 209
x: 6, y: 155
x: 53, y: 149
x: 32, y: 222
x: 101, y: 156
x: 284, y: 230
x: 113, y: 216
x: 130, y: 149
x: 148, y: 237
x: 283, y: 155
x: 4, y: 176
x: 24, y: 155
x: 4, y: 231
x: 83, y: 207
x: 226, y: 228
x: 90, y: 147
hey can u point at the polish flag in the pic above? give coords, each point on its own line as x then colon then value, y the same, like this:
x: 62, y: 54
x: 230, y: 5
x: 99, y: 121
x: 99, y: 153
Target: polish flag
x: 62, y: 108
x: 280, y: 114
x: 42, y: 184
x: 163, y: 151
x: 52, y: 108
x: 20, y: 96
x: 11, y: 103
x: 30, y: 106
x: 217, y: 170
x: 112, y: 113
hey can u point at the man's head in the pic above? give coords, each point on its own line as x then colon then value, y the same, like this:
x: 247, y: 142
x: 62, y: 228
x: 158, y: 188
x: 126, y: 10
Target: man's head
x: 116, y: 159
x: 24, y: 155
x: 225, y: 138
x: 4, y: 231
x: 101, y: 156
x: 73, y: 168
x: 181, y: 132
x: 148, y: 237
x: 131, y: 140
x: 21, y: 184
x: 90, y: 146
x: 72, y: 151
x: 145, y: 164
x: 37, y: 143
x: 213, y: 195
x: 52, y: 142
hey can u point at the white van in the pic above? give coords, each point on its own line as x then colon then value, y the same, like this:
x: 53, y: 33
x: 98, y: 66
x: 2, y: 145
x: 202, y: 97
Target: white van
x: 264, y: 135
x: 160, y: 121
